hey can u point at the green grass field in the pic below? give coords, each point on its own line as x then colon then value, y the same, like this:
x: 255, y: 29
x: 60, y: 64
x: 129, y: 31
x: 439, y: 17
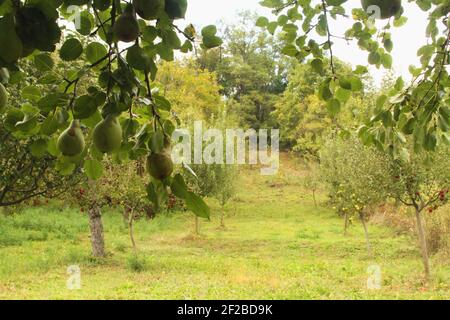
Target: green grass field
x: 276, y: 245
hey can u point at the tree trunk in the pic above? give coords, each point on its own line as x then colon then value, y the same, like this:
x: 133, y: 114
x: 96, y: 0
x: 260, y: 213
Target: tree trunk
x: 423, y: 244
x: 346, y: 222
x: 314, y: 197
x: 366, y: 233
x: 96, y: 226
x: 126, y: 217
x: 197, y: 226
x: 222, y: 217
x: 130, y: 225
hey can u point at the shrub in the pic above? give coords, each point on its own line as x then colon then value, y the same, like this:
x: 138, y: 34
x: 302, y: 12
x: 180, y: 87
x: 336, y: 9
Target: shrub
x: 136, y: 263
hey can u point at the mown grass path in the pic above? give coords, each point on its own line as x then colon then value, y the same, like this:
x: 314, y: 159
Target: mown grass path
x: 276, y: 245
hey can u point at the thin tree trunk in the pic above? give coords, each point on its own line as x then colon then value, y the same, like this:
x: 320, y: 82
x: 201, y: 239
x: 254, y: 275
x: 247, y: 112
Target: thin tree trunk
x: 126, y: 217
x: 314, y: 197
x: 96, y: 226
x: 346, y: 222
x: 423, y: 244
x: 222, y: 218
x: 366, y: 233
x: 130, y: 225
x: 197, y: 226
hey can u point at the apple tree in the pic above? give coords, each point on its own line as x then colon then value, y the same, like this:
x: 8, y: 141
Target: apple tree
x: 422, y: 183
x: 357, y: 179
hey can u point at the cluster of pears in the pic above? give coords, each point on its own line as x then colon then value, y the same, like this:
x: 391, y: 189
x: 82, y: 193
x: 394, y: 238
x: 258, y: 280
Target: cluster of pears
x: 107, y: 137
x: 160, y: 164
x: 388, y: 8
x: 126, y: 27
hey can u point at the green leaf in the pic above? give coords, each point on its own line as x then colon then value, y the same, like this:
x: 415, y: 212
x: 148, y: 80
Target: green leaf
x: 179, y: 187
x: 138, y: 59
x: 381, y: 100
x: 50, y: 125
x: 356, y: 83
x: 262, y: 22
x: 157, y: 142
x: 84, y: 107
x: 386, y: 61
x: 374, y: 58
x: 388, y: 45
x: 71, y: 50
x: 95, y: 51
x: 324, y: 91
x: 31, y: 93
x: 51, y: 101
x: 289, y: 50
x: 65, y: 168
x: 430, y: 142
x: 162, y: 103
x: 38, y: 148
x: 317, y: 65
x: 196, y: 204
x: 44, y: 62
x: 333, y: 107
x: 157, y: 194
x: 93, y: 169
x: 400, y: 21
x: 210, y: 40
x: 342, y: 95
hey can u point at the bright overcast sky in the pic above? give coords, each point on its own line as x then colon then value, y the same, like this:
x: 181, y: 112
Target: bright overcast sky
x: 407, y: 39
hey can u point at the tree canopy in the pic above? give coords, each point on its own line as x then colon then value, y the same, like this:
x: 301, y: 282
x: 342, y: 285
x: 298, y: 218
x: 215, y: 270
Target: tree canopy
x: 419, y: 109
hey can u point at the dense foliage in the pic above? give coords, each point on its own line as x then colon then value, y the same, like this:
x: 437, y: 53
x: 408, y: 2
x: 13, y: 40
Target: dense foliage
x: 121, y: 113
x: 419, y: 109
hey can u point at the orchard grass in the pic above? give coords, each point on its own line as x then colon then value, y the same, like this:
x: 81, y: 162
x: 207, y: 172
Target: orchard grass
x: 275, y: 245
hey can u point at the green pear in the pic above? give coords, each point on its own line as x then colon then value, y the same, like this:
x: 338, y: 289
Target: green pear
x: 10, y: 44
x: 388, y: 8
x: 126, y: 28
x: 108, y: 135
x: 149, y: 9
x: 3, y: 98
x: 71, y: 141
x: 176, y: 9
x: 160, y: 165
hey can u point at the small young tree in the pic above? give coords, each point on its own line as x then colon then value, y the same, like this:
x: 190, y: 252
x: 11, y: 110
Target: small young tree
x: 126, y: 186
x: 217, y: 181
x: 357, y: 178
x: 422, y: 183
x: 225, y: 177
x: 311, y: 181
